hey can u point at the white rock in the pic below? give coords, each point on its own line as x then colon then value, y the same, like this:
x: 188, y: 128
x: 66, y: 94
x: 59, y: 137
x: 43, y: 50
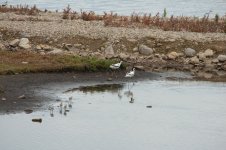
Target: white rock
x: 24, y: 43
x: 189, y: 52
x: 14, y: 43
x: 208, y: 53
x: 172, y: 55
x: 221, y: 58
x: 55, y: 51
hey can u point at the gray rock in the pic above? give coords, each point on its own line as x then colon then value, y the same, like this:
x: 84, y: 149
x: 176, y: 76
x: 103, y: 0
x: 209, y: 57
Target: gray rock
x: 24, y: 43
x: 145, y: 50
x: 189, y: 52
x: 55, y: 51
x: 221, y: 58
x: 14, y: 43
x: 109, y: 51
x: 208, y: 53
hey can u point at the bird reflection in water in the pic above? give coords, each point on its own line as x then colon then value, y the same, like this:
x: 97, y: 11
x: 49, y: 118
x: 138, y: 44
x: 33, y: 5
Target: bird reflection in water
x: 64, y: 107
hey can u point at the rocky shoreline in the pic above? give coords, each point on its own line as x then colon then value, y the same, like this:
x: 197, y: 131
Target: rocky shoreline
x: 202, y: 54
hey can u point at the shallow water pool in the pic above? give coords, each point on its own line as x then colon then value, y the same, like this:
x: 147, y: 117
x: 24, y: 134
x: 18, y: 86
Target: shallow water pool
x: 183, y: 115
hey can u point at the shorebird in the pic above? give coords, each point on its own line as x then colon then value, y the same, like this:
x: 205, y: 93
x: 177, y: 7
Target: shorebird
x: 130, y: 74
x: 51, y: 108
x: 116, y: 66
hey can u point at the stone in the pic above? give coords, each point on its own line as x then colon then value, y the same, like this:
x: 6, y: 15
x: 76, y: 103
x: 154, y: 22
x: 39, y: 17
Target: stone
x: 172, y: 55
x: 109, y: 79
x: 221, y: 58
x: 201, y: 56
x: 22, y: 97
x: 77, y: 45
x: 55, y: 51
x: 38, y: 47
x: 2, y: 46
x: 132, y: 40
x: 123, y: 56
x: 149, y: 106
x: 142, y: 68
x: 215, y: 60
x: 28, y: 111
x: 109, y: 51
x: 135, y: 49
x: 24, y: 62
x: 145, y: 50
x: 24, y: 43
x: 3, y: 99
x: 46, y: 47
x: 224, y: 67
x: 37, y: 120
x: 189, y: 52
x: 14, y: 43
x: 208, y: 53
x: 194, y: 60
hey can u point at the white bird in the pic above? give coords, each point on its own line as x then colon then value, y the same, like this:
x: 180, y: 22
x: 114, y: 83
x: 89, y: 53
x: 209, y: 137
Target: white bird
x: 116, y: 66
x: 130, y: 74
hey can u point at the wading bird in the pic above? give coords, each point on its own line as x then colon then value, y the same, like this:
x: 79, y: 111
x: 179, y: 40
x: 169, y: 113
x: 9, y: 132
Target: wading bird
x: 116, y: 66
x: 130, y: 74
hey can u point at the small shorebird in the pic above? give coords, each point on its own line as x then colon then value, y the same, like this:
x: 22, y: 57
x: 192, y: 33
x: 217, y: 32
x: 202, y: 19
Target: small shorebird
x: 51, y: 108
x: 116, y: 66
x: 130, y: 74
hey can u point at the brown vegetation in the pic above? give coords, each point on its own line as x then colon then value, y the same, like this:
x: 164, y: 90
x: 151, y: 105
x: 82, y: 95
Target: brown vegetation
x: 20, y: 9
x: 181, y: 23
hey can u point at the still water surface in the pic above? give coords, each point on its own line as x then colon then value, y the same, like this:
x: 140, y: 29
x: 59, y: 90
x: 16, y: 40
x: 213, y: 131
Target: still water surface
x: 184, y: 115
x: 175, y: 7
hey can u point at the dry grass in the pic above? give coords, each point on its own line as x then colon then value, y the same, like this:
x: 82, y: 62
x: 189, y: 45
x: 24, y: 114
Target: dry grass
x: 20, y: 9
x: 181, y: 23
x: 11, y: 63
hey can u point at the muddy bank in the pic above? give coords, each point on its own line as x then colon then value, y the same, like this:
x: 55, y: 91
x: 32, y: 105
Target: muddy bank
x: 13, y: 87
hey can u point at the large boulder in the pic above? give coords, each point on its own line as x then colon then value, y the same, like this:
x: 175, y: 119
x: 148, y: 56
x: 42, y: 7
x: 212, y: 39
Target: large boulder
x: 221, y: 58
x: 145, y: 50
x: 14, y: 43
x: 24, y: 43
x: 109, y: 51
x: 189, y: 52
